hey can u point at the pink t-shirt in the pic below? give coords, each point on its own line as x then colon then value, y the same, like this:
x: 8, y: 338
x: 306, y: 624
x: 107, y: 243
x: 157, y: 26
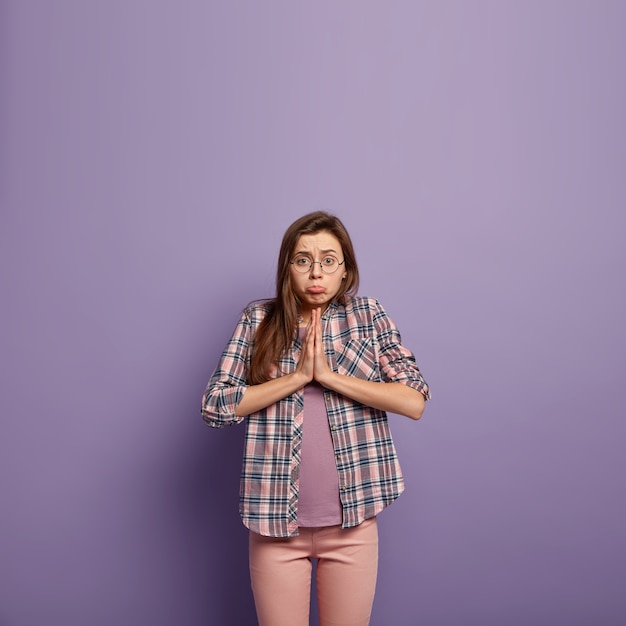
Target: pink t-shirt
x: 318, y: 499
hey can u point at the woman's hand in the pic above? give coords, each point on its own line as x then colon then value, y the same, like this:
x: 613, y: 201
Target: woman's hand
x: 306, y: 365
x: 321, y: 370
x: 313, y: 364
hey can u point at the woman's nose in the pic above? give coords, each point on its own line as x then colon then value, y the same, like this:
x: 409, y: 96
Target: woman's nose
x: 316, y: 269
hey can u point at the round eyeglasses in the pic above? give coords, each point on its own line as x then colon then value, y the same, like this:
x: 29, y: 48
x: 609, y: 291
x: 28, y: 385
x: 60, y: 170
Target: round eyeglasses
x: 303, y: 264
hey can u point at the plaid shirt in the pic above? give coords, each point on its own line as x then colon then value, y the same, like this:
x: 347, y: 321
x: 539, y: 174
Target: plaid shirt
x: 359, y: 340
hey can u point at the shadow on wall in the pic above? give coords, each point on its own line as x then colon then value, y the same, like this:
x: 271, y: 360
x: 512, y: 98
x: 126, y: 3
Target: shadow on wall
x: 223, y: 545
x: 209, y: 473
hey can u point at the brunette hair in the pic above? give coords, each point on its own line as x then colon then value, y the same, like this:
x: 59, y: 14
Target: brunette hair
x: 277, y: 330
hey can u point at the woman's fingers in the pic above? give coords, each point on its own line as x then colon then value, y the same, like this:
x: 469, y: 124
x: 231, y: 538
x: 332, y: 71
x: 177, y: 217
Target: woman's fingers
x: 306, y: 364
x: 313, y: 358
x: 321, y: 369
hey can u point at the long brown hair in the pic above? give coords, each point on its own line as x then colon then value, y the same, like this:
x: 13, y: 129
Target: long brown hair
x: 276, y: 332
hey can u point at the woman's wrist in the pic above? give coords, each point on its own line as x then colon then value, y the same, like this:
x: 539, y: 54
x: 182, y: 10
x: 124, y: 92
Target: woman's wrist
x: 329, y: 379
x: 300, y: 379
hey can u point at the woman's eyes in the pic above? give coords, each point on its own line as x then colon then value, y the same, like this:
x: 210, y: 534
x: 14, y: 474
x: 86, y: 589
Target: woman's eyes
x: 303, y: 261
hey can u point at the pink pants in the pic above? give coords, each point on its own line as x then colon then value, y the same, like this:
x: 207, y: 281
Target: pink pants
x: 280, y: 570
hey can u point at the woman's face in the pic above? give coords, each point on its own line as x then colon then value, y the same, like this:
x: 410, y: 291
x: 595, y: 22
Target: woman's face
x: 314, y: 287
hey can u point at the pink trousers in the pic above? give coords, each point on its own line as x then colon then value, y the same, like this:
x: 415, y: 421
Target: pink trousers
x: 280, y: 571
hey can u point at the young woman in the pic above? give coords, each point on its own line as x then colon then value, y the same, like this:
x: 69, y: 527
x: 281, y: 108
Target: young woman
x: 314, y: 371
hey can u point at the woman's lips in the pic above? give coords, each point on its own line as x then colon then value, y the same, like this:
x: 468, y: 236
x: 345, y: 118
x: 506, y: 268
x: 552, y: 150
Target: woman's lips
x: 315, y: 290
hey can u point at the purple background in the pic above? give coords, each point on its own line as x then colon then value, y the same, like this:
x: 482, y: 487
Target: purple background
x: 152, y: 154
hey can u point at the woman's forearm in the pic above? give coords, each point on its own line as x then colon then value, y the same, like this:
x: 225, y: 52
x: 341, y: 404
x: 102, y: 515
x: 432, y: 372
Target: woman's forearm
x: 257, y: 397
x: 393, y: 397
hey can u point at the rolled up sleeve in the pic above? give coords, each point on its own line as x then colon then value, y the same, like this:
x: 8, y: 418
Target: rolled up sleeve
x: 229, y: 380
x: 397, y: 363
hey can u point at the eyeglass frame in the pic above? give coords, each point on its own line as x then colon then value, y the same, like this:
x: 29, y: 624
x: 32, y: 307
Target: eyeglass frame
x: 311, y: 263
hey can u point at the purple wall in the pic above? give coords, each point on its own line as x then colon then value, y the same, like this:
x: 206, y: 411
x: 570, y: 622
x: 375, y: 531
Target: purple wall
x: 152, y: 155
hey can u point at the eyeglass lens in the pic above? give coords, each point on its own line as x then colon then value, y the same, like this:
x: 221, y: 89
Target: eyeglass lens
x: 328, y: 264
